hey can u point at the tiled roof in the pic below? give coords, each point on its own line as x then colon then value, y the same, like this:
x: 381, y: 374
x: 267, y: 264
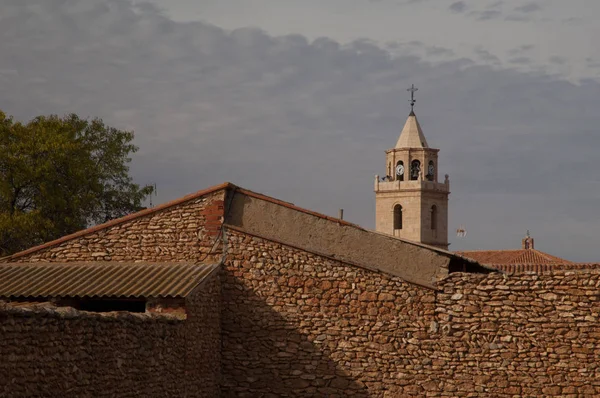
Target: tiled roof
x: 101, y: 279
x: 521, y: 257
x: 539, y: 268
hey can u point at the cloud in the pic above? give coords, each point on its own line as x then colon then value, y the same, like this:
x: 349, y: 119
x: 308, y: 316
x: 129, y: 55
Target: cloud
x: 459, y: 6
x: 528, y: 8
x: 308, y: 121
x: 555, y: 59
x: 520, y: 60
x: 488, y: 14
x: 486, y: 56
x: 439, y: 51
x: 591, y: 63
x: 524, y: 13
x: 521, y: 49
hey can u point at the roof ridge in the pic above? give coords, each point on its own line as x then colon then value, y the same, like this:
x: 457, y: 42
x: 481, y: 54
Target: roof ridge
x: 484, y: 250
x: 292, y: 206
x: 552, y: 257
x: 119, y: 220
x: 330, y: 256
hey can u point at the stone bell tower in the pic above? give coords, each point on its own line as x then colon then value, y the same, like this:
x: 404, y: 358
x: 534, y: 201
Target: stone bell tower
x: 410, y: 203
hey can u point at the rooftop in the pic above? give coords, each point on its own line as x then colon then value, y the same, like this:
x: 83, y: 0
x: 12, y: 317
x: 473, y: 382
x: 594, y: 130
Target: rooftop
x: 508, y: 257
x: 101, y: 279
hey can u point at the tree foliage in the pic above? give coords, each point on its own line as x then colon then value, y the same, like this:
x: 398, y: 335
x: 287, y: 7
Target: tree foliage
x: 59, y: 175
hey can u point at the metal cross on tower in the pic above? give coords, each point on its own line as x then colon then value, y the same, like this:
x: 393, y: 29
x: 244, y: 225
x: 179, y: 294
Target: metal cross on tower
x: 412, y: 100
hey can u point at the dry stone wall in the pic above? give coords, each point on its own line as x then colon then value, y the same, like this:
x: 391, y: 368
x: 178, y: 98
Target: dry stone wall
x: 299, y: 324
x: 203, y: 339
x: 61, y: 352
x: 526, y: 335
x: 184, y: 232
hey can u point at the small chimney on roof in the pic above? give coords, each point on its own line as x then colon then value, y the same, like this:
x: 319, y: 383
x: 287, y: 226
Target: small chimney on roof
x: 527, y: 242
x: 341, y: 214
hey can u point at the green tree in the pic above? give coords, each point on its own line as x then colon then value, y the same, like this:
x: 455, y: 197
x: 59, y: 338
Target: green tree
x: 60, y: 175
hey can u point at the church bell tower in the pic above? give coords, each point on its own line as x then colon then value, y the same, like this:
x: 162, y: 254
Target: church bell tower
x: 410, y: 203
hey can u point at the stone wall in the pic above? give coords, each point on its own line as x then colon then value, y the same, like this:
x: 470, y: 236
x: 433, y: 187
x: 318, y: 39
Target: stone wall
x: 526, y: 335
x: 300, y: 324
x: 184, y: 232
x: 61, y: 352
x: 203, y: 339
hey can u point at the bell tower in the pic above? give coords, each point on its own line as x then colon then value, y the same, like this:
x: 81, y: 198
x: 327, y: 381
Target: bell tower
x: 410, y: 203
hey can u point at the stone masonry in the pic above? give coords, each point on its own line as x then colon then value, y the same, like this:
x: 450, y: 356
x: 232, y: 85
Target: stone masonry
x: 185, y: 232
x: 291, y: 321
x: 299, y: 324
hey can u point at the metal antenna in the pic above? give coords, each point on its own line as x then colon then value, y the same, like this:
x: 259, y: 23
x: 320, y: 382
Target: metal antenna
x: 412, y: 100
x: 154, y: 192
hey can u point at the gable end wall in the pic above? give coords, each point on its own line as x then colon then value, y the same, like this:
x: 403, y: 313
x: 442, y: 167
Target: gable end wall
x: 184, y: 232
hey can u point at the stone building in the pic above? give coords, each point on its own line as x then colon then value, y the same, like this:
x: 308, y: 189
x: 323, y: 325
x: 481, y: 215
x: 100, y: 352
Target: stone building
x: 230, y: 293
x: 109, y: 329
x: 304, y: 305
x: 410, y: 203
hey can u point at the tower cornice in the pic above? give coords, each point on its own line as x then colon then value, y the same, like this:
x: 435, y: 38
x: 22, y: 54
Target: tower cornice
x: 434, y: 150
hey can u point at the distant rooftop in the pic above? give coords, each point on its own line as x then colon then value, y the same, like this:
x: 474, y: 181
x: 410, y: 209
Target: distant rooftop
x: 519, y: 260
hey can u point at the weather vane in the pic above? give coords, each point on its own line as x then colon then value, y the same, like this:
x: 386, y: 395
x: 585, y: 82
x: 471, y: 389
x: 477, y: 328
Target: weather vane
x: 412, y: 100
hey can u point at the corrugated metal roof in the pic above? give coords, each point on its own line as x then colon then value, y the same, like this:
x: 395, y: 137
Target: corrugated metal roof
x: 101, y: 279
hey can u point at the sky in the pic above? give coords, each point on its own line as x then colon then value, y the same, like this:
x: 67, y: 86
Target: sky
x: 299, y: 100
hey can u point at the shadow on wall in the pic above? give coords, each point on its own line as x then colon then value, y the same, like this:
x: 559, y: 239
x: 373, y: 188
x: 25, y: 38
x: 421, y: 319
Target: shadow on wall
x: 264, y: 355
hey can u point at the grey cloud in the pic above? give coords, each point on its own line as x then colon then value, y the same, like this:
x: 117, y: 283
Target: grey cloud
x: 520, y: 60
x: 308, y: 121
x: 572, y: 20
x: 528, y: 8
x: 518, y: 18
x: 591, y: 63
x: 524, y: 13
x: 488, y: 14
x: 486, y: 56
x: 439, y: 51
x: 459, y: 6
x: 521, y: 49
x: 555, y: 59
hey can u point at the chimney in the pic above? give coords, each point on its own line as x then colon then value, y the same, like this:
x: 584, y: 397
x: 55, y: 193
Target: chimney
x: 527, y: 242
x: 341, y: 214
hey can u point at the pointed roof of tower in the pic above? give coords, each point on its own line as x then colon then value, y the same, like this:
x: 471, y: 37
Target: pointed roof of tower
x: 412, y: 135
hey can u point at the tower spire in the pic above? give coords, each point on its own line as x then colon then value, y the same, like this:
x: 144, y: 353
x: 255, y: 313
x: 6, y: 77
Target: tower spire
x: 410, y: 203
x: 412, y: 100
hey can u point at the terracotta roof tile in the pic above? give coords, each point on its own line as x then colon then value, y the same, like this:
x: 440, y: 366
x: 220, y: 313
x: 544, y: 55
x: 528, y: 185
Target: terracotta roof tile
x: 520, y: 256
x: 540, y: 268
x: 101, y: 279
